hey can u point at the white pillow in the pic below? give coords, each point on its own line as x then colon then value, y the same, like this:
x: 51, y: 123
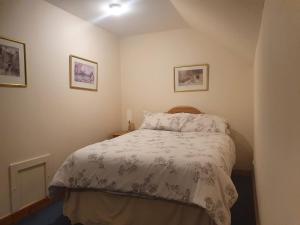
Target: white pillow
x: 185, y: 122
x: 205, y: 123
x: 163, y: 121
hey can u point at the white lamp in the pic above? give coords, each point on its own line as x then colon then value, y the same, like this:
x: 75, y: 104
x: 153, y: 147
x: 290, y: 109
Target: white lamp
x: 129, y: 119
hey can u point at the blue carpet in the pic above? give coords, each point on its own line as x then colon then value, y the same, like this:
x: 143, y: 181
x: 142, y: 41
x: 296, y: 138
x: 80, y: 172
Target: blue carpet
x: 51, y: 215
x: 243, y: 211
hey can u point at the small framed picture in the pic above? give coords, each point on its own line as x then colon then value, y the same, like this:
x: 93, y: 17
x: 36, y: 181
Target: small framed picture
x: 191, y: 78
x: 12, y: 63
x: 83, y: 73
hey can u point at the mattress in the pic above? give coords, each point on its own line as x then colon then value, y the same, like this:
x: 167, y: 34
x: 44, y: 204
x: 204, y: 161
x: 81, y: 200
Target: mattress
x: 188, y: 167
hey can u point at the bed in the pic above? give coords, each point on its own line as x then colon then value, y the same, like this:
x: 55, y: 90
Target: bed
x: 166, y: 173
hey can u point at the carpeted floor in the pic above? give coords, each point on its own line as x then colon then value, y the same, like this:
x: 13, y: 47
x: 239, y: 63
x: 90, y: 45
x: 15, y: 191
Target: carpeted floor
x: 51, y: 215
x: 242, y: 212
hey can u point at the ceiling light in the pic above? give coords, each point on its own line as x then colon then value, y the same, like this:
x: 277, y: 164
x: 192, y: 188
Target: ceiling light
x: 116, y: 9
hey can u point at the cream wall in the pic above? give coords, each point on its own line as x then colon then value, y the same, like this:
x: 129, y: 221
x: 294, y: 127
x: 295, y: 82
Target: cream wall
x: 147, y: 63
x: 48, y: 116
x: 277, y: 110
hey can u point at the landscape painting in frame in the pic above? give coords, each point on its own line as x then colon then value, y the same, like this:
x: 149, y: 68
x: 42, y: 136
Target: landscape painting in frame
x: 83, y: 73
x: 191, y: 78
x: 12, y: 63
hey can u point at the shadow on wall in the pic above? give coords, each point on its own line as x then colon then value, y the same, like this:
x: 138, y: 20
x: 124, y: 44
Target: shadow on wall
x: 244, y: 151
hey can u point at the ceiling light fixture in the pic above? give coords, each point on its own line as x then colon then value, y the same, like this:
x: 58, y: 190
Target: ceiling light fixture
x: 116, y: 9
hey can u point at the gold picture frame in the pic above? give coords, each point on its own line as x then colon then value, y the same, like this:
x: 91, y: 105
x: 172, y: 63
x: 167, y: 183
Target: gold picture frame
x: 83, y: 73
x: 12, y: 63
x: 191, y: 78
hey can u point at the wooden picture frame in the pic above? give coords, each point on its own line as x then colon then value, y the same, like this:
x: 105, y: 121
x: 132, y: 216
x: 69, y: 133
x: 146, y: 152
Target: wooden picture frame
x: 83, y: 73
x: 12, y: 63
x: 191, y: 78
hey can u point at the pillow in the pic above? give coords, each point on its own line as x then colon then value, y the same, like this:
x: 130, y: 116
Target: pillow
x: 185, y: 122
x: 163, y: 121
x: 205, y: 123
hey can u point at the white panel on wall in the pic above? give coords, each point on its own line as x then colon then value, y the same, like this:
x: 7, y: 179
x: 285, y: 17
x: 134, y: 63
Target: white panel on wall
x: 29, y: 178
x: 29, y: 181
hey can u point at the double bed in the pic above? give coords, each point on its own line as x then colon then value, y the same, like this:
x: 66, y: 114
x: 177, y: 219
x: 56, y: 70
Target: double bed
x: 166, y: 173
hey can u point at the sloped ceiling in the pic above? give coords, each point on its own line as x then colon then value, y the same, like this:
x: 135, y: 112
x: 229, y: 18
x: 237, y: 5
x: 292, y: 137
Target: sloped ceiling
x: 234, y: 23
x: 143, y: 16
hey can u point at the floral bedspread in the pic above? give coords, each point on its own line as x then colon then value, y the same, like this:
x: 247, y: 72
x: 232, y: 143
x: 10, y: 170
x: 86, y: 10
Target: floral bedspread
x: 190, y: 167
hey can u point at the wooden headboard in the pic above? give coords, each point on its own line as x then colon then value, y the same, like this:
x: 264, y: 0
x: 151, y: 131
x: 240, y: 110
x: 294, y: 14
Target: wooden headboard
x: 184, y: 109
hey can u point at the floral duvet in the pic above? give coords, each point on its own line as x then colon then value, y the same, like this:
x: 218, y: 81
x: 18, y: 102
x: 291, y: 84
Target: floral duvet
x: 190, y: 167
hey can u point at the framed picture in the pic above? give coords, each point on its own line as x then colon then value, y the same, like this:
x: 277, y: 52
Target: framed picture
x: 191, y: 78
x: 12, y: 63
x: 83, y: 73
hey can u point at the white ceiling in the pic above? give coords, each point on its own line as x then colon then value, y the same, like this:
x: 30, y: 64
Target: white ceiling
x: 143, y: 16
x: 231, y: 23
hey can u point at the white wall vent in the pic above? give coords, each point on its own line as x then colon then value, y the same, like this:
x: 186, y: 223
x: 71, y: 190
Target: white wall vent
x: 29, y: 180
